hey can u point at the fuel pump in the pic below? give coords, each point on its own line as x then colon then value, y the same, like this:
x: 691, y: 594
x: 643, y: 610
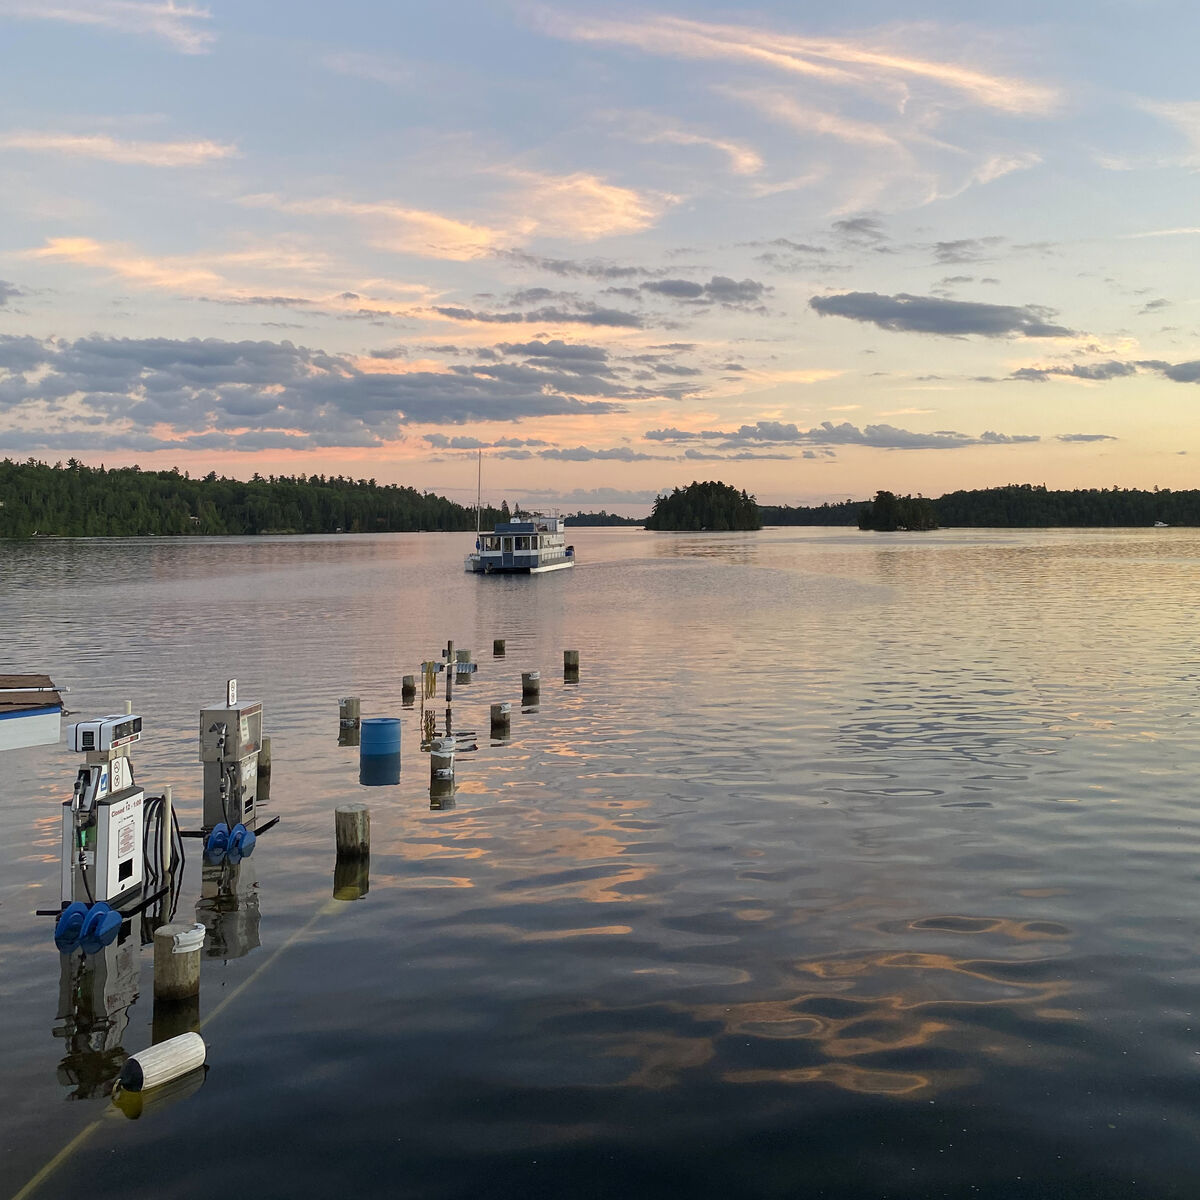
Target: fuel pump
x: 102, y: 823
x: 230, y: 741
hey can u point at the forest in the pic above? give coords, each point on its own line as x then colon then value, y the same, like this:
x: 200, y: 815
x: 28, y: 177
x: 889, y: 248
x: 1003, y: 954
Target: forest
x: 74, y: 500
x: 1021, y: 505
x: 708, y: 505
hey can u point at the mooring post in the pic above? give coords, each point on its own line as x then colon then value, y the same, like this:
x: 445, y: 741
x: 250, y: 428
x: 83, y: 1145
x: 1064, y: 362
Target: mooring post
x: 501, y: 719
x: 571, y: 666
x: 531, y: 685
x: 352, y: 829
x: 177, y: 960
x: 408, y: 688
x: 349, y: 712
x: 498, y: 648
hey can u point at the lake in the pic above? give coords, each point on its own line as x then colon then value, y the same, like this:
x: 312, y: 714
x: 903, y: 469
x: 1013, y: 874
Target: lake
x: 853, y: 865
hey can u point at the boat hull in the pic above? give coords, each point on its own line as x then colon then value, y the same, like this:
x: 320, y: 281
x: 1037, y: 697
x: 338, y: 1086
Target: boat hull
x: 474, y: 566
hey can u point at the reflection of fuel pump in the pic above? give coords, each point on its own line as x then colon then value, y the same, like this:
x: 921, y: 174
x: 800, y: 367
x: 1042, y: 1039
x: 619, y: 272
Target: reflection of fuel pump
x: 102, y: 823
x: 95, y: 994
x: 228, y: 908
x: 230, y: 739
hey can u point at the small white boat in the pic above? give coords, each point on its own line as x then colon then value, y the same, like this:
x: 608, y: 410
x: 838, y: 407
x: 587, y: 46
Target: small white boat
x: 526, y: 547
x: 1160, y: 525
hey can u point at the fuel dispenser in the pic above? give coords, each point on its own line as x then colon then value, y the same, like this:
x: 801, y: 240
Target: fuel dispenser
x: 102, y: 823
x: 230, y: 741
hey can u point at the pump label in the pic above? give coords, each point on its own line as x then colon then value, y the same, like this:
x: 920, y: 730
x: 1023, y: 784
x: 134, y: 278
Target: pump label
x: 126, y: 839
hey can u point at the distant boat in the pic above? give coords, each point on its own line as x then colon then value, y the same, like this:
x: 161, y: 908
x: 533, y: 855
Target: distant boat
x: 1161, y: 525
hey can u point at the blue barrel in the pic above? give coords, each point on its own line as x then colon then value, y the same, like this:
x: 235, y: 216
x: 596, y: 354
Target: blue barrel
x: 379, y: 751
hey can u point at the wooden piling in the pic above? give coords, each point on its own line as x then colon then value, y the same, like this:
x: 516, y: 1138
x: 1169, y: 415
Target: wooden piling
x: 501, y: 719
x: 498, y: 648
x: 177, y: 975
x: 531, y: 685
x: 352, y: 827
x: 571, y: 666
x: 349, y: 712
x: 408, y: 688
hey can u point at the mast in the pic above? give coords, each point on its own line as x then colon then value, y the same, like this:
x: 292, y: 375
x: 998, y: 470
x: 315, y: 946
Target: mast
x: 479, y: 494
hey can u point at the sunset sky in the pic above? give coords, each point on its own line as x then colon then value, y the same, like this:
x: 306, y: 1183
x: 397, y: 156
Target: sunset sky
x: 810, y: 250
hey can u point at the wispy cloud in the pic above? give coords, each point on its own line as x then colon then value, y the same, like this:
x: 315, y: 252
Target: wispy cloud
x: 377, y: 68
x: 743, y: 160
x: 110, y: 149
x: 860, y: 64
x: 177, y: 24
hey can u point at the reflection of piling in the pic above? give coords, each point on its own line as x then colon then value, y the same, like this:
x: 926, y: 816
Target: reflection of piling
x: 501, y: 720
x: 531, y: 686
x: 352, y: 828
x: 173, y: 1017
x: 351, y: 877
x: 571, y: 666
x: 408, y: 689
x: 177, y: 961
x: 264, y: 770
x: 441, y: 768
x: 498, y: 648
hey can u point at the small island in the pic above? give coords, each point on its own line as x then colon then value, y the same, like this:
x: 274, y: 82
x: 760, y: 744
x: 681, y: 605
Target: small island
x: 889, y: 512
x: 704, y: 506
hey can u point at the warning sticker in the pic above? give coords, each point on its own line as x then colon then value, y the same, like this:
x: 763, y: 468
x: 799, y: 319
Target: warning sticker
x: 125, y: 839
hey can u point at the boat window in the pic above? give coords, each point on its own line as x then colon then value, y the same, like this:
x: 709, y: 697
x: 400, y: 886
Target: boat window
x: 522, y: 543
x: 491, y: 543
x: 508, y: 545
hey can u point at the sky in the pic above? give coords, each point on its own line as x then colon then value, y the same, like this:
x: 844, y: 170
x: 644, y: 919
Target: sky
x: 811, y: 251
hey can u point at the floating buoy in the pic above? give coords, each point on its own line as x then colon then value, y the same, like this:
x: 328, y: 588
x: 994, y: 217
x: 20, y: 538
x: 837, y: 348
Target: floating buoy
x: 156, y: 1065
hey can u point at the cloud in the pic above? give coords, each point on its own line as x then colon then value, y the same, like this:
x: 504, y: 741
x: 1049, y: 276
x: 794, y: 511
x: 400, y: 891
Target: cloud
x: 860, y: 229
x: 110, y: 149
x: 1085, y: 437
x: 720, y: 289
x: 1096, y: 372
x: 742, y: 159
x: 582, y: 206
x: 586, y: 454
x: 234, y: 392
x: 949, y: 318
x: 862, y: 64
x: 8, y: 291
x: 173, y: 23
x: 586, y: 315
x: 1188, y: 372
x: 588, y: 268
x: 807, y: 119
x: 377, y: 68
x: 885, y: 437
x: 963, y: 250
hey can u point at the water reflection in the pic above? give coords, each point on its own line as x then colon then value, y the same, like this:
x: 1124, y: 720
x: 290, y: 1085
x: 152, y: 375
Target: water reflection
x: 228, y: 908
x: 95, y: 994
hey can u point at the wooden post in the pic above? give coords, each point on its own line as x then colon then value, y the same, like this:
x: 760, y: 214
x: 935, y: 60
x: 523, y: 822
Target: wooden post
x: 352, y: 827
x: 167, y: 823
x: 498, y: 648
x: 501, y: 719
x: 349, y: 712
x: 571, y: 666
x: 408, y: 688
x: 177, y: 960
x: 531, y: 685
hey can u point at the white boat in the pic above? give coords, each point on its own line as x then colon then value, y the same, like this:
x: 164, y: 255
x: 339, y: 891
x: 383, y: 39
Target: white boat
x: 1160, y: 525
x: 524, y: 547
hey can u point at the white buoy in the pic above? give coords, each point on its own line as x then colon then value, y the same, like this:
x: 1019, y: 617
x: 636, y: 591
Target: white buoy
x: 156, y: 1065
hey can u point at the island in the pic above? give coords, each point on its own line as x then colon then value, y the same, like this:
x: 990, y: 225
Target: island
x: 704, y: 506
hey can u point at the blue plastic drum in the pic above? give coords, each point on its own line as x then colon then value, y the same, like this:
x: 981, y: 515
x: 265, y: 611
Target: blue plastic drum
x: 379, y: 751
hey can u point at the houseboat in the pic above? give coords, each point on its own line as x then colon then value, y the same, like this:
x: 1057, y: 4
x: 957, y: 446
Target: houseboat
x: 524, y: 547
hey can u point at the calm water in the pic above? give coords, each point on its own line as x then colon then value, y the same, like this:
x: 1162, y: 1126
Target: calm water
x: 854, y: 866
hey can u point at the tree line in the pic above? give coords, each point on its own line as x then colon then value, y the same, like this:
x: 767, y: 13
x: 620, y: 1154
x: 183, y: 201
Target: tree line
x: 1017, y: 505
x: 74, y: 500
x: 708, y: 505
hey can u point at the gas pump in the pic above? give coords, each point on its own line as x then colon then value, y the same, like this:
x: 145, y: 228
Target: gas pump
x: 102, y: 823
x: 230, y: 741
